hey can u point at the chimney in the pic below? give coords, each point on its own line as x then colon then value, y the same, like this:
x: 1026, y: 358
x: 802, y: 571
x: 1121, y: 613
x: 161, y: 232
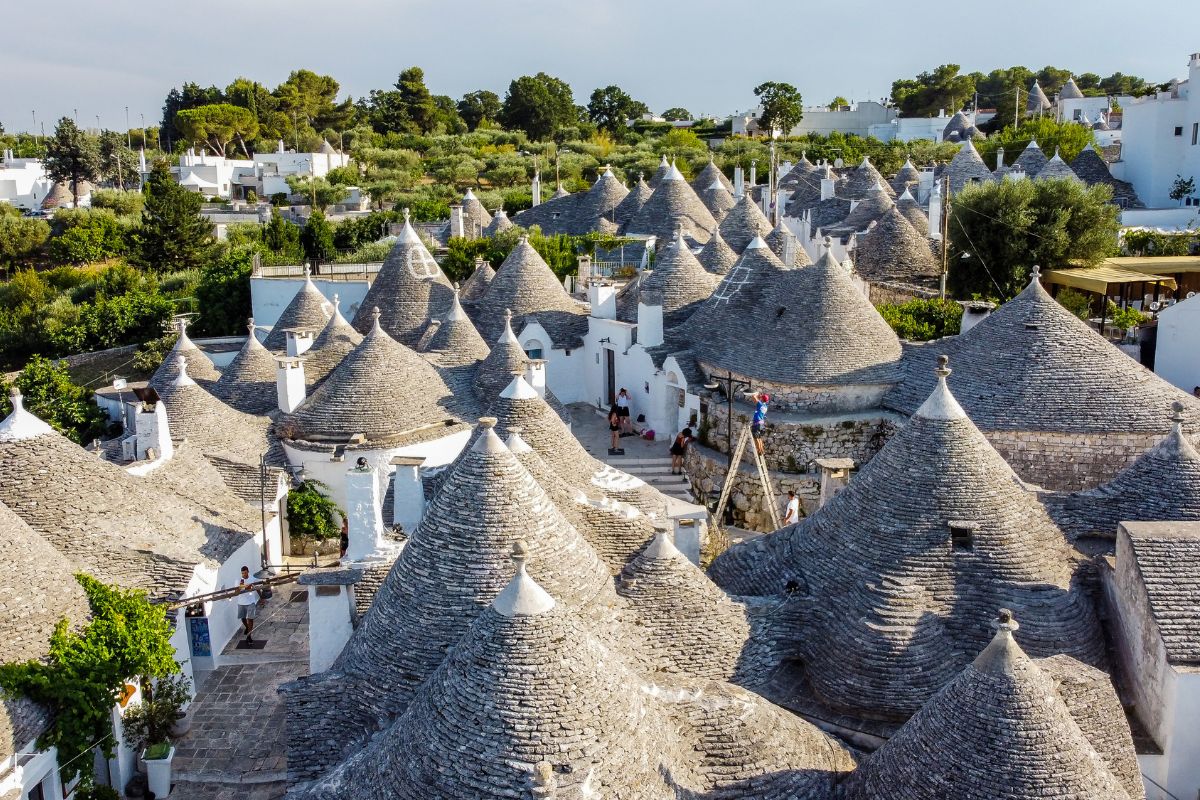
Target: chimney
x: 935, y: 211
x: 584, y: 271
x: 835, y: 474
x: 974, y: 312
x: 535, y: 375
x: 298, y: 341
x: 687, y: 538
x: 753, y: 174
x: 457, y: 228
x: 536, y: 189
x: 152, y: 433
x: 364, y: 516
x: 999, y: 158
x: 603, y: 297
x: 1194, y: 61
x: 782, y: 198
x: 827, y: 185
x: 289, y: 383
x: 330, y: 614
x: 739, y: 182
x: 649, y: 319
x: 408, y: 493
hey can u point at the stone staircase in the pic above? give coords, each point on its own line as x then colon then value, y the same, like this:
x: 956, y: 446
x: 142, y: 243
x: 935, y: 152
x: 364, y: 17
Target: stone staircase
x: 655, y: 471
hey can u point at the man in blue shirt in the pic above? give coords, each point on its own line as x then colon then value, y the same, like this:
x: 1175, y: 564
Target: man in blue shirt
x: 761, y: 399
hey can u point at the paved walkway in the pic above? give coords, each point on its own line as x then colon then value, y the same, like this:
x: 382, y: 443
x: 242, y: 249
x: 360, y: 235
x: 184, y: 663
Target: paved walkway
x: 235, y: 749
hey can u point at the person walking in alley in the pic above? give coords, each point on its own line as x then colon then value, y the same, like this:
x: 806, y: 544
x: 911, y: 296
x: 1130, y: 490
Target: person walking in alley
x: 759, y: 421
x: 679, y: 450
x: 247, y: 603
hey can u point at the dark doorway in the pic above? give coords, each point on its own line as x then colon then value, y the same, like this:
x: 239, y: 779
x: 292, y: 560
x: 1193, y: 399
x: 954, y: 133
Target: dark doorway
x: 610, y: 364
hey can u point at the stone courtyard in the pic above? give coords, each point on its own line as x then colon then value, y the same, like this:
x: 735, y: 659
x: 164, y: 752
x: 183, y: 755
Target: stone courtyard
x: 236, y: 746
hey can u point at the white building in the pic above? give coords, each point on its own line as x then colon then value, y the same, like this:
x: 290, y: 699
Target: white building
x: 1175, y: 358
x: 265, y: 174
x: 856, y: 118
x: 1152, y: 594
x: 908, y: 129
x: 23, y: 182
x: 1161, y: 140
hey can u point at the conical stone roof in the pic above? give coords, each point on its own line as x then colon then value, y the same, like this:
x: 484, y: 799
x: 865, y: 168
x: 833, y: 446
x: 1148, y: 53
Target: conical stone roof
x: 1031, y: 160
x: 906, y: 176
x: 106, y: 522
x: 717, y: 256
x: 535, y: 699
x: 692, y: 627
x: 673, y: 204
x: 474, y: 287
x: 455, y: 564
x: 476, y: 218
x: 967, y: 167
x: 664, y: 168
x: 409, y: 290
x: 454, y: 339
x: 812, y: 327
x: 1037, y: 101
x: 308, y: 310
x: 735, y: 295
x: 526, y: 286
x: 1092, y: 170
x: 1034, y: 366
x: 937, y: 507
x: 616, y: 530
x: 504, y: 362
x: 743, y: 222
x: 863, y: 179
x: 868, y: 210
x: 959, y: 124
x: 333, y: 343
x: 1070, y: 91
x: 787, y: 247
x: 628, y: 208
x: 678, y: 281
x: 193, y: 413
x: 907, y: 205
x: 717, y: 199
x: 807, y: 192
x: 199, y: 366
x: 891, y: 249
x: 1056, y: 168
x: 248, y: 383
x: 997, y: 730
x: 1163, y: 484
x: 382, y: 390
x: 798, y: 174
x: 597, y: 209
x: 708, y: 175
x: 499, y: 224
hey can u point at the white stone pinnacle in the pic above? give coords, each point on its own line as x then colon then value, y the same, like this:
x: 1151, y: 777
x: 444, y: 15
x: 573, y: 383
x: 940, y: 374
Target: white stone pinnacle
x: 21, y: 424
x: 519, y: 389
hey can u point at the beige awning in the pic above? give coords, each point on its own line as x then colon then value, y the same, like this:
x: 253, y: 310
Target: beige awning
x: 1098, y: 279
x: 1159, y: 265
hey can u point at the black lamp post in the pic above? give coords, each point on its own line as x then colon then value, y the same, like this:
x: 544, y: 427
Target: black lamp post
x: 729, y: 385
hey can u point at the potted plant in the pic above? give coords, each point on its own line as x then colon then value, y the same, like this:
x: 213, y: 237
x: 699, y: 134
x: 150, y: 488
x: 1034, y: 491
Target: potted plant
x: 149, y: 724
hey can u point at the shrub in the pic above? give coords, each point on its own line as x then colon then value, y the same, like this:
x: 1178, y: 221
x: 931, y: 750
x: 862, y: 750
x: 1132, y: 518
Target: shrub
x: 922, y: 320
x: 311, y: 512
x: 87, y: 236
x: 148, y: 724
x: 1076, y: 302
x: 121, y: 203
x: 1125, y: 318
x: 50, y: 393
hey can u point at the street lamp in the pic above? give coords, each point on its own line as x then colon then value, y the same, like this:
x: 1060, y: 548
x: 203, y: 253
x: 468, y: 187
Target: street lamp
x: 728, y: 384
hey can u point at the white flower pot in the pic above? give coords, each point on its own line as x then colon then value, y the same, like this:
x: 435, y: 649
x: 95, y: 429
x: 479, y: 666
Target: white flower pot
x: 158, y: 774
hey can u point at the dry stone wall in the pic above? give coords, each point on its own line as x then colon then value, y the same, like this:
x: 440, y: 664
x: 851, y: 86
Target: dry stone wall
x: 1070, y: 461
x: 706, y: 471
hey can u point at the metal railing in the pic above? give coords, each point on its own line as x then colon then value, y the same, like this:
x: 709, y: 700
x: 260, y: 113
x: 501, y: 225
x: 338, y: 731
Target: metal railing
x: 333, y: 272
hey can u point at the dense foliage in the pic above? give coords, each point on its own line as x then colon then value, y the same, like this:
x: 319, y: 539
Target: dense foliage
x: 83, y: 676
x: 50, y: 394
x: 311, y: 513
x: 999, y: 231
x: 923, y: 320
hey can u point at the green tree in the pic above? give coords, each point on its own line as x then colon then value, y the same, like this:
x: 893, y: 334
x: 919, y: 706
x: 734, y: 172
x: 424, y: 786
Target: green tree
x: 121, y: 203
x: 50, y: 394
x: 781, y: 105
x: 838, y: 102
x: 319, y: 192
x: 87, y: 236
x: 173, y: 234
x: 312, y: 99
x: 192, y: 95
x: 923, y: 320
x: 999, y: 231
x: 218, y: 126
x: 223, y: 294
x: 82, y: 678
x: 1182, y: 187
x: 311, y: 512
x: 1003, y: 89
x: 930, y: 92
x: 475, y: 107
x: 446, y: 119
x: 72, y: 155
x: 611, y: 109
x: 20, y: 238
x: 415, y: 101
x: 118, y: 164
x: 1119, y: 83
x: 1068, y: 138
x: 280, y: 235
x: 317, y: 238
x: 676, y: 114
x: 541, y: 105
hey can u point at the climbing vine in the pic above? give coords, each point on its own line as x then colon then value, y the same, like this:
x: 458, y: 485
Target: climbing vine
x: 85, y: 672
x: 311, y: 512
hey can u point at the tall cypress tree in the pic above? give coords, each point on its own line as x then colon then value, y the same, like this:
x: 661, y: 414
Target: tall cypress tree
x: 173, y: 234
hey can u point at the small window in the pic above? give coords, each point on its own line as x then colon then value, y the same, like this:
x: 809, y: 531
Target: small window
x: 1195, y: 132
x: 962, y: 536
x: 1179, y: 130
x: 533, y: 349
x: 1078, y: 114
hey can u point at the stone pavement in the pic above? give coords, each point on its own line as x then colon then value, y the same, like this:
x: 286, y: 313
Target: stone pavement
x: 235, y: 749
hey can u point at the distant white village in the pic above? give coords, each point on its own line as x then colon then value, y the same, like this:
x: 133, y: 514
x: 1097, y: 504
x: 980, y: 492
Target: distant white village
x: 967, y: 567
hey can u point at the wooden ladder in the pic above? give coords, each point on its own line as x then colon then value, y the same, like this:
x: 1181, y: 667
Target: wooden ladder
x: 763, y: 476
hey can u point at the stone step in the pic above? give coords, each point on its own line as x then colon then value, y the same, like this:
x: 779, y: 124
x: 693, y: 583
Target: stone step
x: 628, y: 463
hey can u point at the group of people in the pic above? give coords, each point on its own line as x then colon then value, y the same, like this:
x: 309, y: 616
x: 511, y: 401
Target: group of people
x: 619, y: 422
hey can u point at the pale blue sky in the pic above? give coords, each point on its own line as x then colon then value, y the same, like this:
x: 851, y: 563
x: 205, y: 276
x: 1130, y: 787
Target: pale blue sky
x: 704, y: 55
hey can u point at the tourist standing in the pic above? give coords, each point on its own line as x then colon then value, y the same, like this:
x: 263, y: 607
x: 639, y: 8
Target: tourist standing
x: 623, y: 411
x: 679, y: 450
x: 792, y: 515
x: 614, y: 428
x: 247, y: 603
